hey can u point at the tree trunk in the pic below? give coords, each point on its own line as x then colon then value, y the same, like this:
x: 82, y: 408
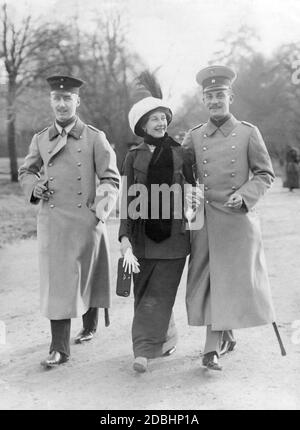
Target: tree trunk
x: 11, y: 132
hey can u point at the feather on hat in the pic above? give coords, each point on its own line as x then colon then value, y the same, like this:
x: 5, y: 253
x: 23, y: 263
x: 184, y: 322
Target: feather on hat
x: 149, y: 98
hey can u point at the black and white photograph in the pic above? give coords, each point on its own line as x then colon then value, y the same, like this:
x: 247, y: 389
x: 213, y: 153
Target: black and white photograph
x: 149, y: 207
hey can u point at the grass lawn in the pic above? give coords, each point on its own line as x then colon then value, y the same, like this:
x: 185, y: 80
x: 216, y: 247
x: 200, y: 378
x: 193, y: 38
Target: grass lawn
x: 17, y: 218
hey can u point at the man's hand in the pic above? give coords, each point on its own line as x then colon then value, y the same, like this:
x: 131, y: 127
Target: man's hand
x: 235, y: 201
x: 40, y: 191
x: 193, y: 198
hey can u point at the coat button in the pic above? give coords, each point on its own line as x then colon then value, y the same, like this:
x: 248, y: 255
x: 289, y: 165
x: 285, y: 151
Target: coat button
x: 78, y: 150
x: 205, y: 175
x: 233, y: 147
x: 79, y: 178
x: 204, y: 161
x: 79, y: 193
x: 50, y: 164
x: 52, y: 206
x: 233, y: 134
x: 232, y: 174
x: 79, y: 205
x: 207, y: 201
x: 51, y: 191
x: 204, y: 148
x: 80, y: 137
x: 51, y: 179
x: 233, y: 160
x: 49, y: 151
x: 205, y: 188
x: 79, y: 164
x: 233, y: 188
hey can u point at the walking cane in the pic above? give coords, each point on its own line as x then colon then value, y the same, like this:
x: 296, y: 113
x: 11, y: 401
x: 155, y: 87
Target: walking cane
x: 106, y: 317
x: 283, y: 352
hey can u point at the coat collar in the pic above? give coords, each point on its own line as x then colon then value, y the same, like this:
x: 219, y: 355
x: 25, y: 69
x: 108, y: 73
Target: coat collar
x: 144, y: 155
x: 225, y: 129
x: 75, y: 132
x: 145, y: 147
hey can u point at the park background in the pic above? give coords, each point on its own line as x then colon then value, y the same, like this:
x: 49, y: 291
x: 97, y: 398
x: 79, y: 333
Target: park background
x: 107, y: 43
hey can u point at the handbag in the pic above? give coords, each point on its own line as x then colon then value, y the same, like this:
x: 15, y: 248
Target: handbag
x: 123, y: 280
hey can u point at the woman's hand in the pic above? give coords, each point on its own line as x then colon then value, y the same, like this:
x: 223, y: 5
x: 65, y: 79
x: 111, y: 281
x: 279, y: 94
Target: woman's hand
x: 130, y: 264
x: 125, y: 244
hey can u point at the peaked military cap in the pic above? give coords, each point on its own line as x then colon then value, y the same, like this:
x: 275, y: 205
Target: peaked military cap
x: 65, y: 83
x: 215, y: 78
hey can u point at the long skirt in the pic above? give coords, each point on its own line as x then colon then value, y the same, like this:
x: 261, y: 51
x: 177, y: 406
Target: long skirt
x: 155, y: 288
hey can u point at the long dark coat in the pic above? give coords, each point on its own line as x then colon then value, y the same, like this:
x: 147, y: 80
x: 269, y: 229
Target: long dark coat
x: 73, y: 245
x: 135, y: 172
x: 161, y: 264
x: 228, y: 284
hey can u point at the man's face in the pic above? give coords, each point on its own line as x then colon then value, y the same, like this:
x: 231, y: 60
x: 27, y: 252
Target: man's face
x: 217, y: 102
x: 64, y: 104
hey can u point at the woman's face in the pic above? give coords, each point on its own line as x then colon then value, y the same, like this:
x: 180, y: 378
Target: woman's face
x: 157, y: 124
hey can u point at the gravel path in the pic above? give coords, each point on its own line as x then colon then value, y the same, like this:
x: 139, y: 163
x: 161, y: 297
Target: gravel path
x: 100, y: 375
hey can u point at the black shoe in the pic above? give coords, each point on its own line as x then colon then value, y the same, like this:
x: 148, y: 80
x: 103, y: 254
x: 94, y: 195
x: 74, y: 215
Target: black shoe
x: 169, y: 352
x: 54, y: 359
x: 84, y: 335
x: 210, y: 360
x: 227, y: 346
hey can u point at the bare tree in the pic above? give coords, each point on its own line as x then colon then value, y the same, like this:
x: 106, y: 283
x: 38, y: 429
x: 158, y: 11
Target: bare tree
x: 109, y: 67
x: 25, y: 48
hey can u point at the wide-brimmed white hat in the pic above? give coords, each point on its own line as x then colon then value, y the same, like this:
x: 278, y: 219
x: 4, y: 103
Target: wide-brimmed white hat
x: 149, y: 95
x: 143, y: 107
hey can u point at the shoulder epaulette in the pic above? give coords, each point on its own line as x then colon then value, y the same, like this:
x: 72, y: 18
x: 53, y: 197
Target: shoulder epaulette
x: 93, y: 128
x: 248, y: 124
x: 42, y: 131
x: 197, y: 126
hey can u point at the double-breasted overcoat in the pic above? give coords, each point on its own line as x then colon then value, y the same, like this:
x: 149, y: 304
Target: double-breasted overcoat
x: 72, y: 242
x: 228, y: 285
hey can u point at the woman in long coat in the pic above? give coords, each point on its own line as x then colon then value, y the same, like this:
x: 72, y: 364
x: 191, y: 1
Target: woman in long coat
x: 160, y: 245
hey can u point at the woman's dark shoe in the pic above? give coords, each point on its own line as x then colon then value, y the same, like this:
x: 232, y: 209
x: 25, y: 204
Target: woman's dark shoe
x: 55, y: 358
x: 227, y: 346
x: 210, y: 360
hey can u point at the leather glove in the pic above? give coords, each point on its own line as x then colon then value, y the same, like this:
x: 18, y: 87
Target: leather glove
x: 40, y: 191
x: 130, y: 262
x: 235, y: 201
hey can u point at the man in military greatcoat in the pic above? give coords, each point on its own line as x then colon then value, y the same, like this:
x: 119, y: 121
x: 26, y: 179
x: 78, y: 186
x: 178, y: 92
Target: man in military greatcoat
x: 72, y: 238
x: 228, y: 286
